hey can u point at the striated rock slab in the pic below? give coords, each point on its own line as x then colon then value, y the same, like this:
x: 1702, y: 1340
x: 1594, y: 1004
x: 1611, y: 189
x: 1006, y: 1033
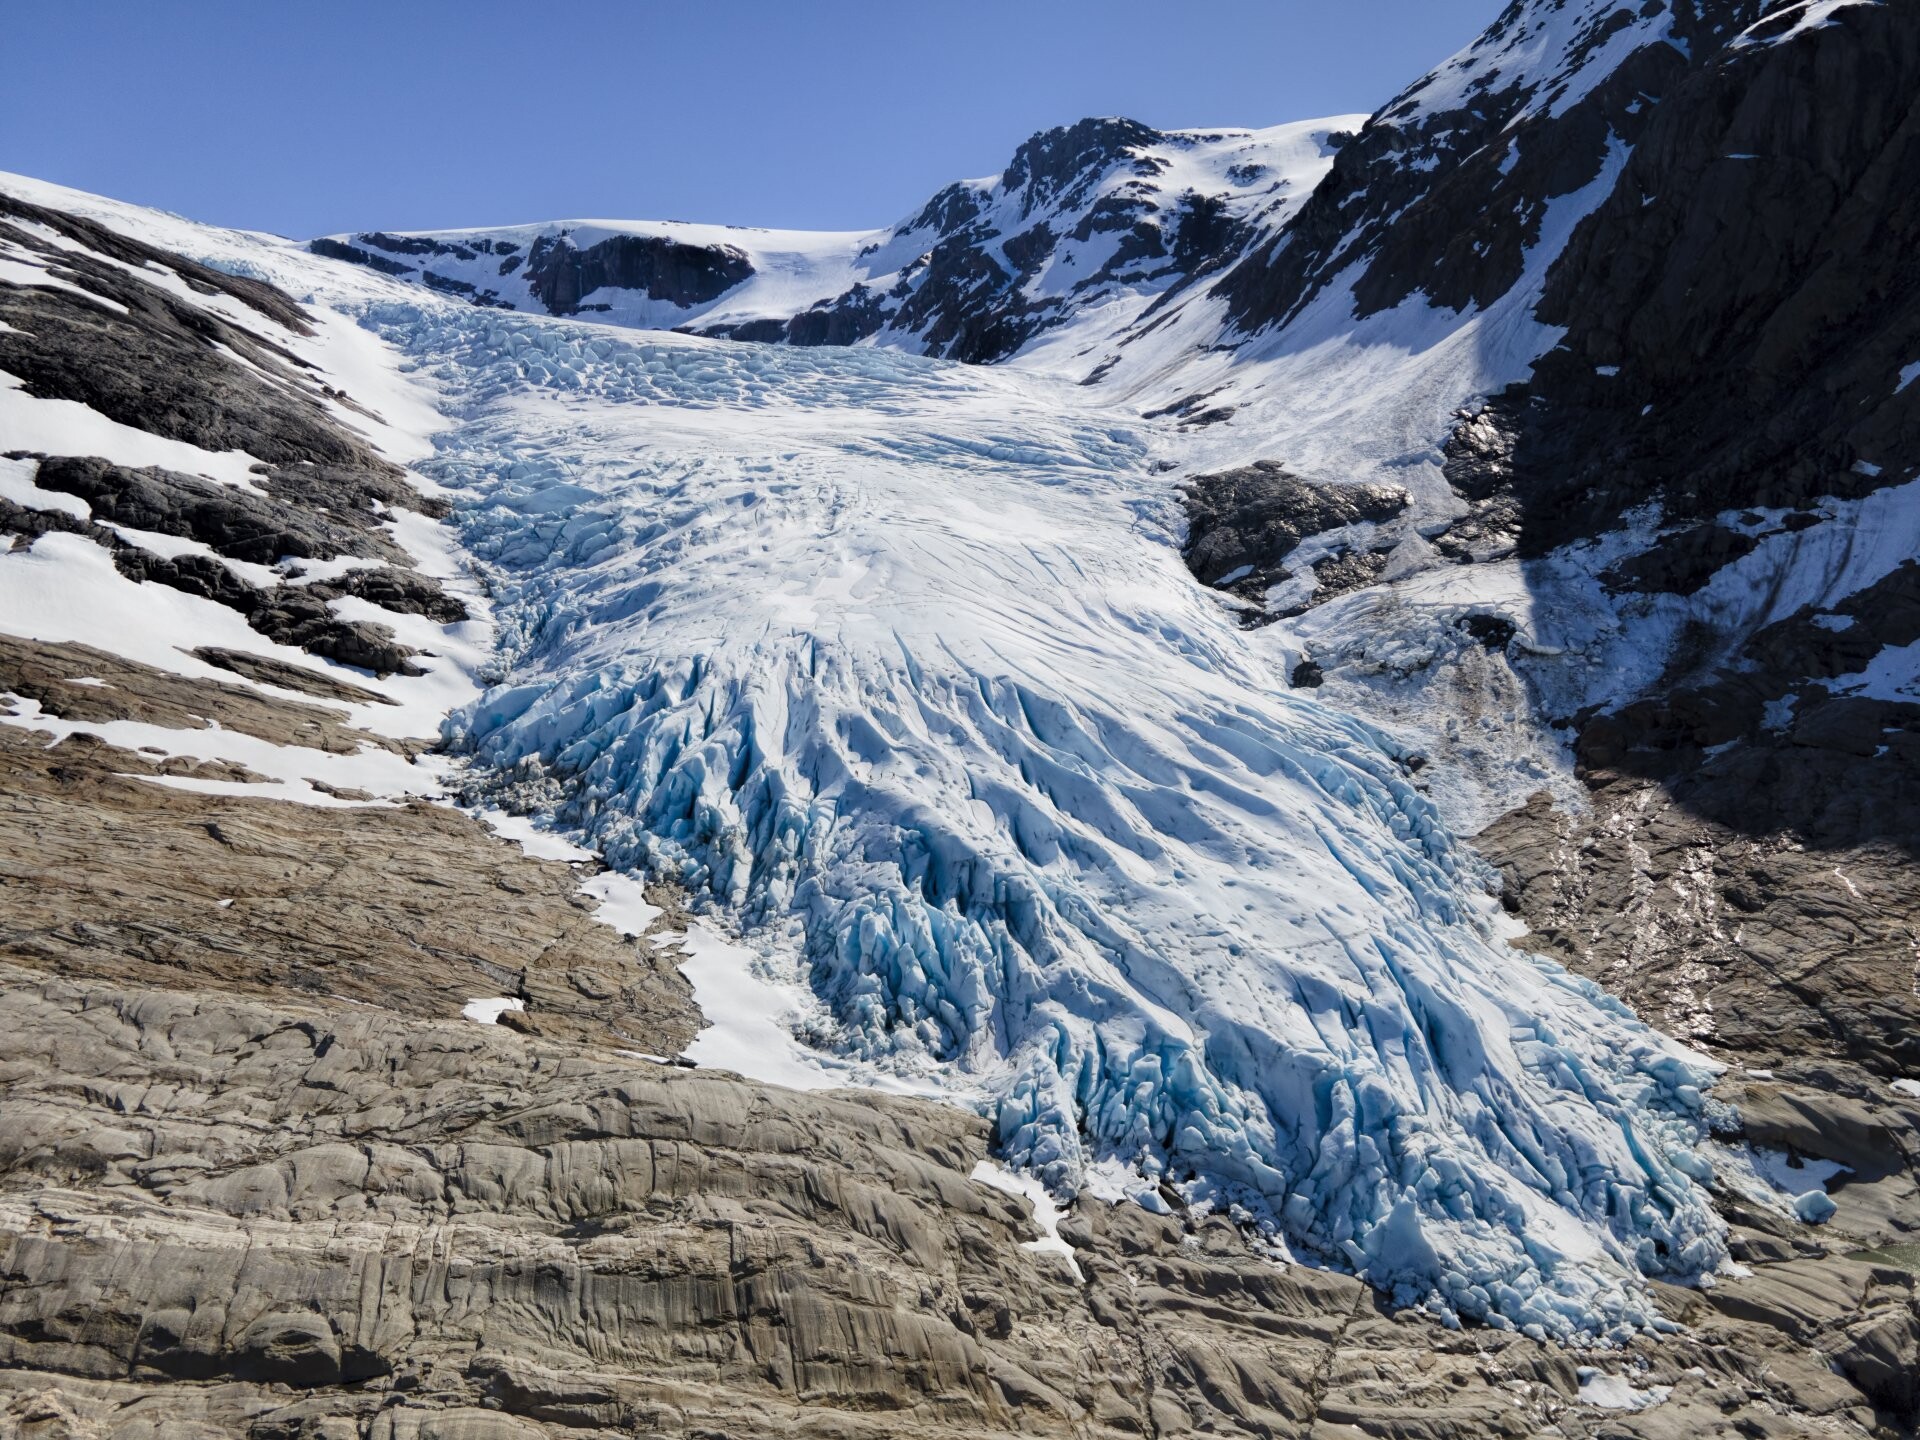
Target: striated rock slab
x: 416, y: 907
x: 1764, y: 946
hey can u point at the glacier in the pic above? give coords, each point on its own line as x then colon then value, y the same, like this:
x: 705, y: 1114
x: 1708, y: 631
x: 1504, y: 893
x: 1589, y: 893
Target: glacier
x: 894, y: 664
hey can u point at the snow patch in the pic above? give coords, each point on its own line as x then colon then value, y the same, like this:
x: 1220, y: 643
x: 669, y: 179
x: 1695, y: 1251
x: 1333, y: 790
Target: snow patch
x: 535, y: 840
x: 290, y: 768
x: 1617, y: 1392
x: 750, y: 1014
x: 623, y: 903
x: 1811, y: 15
x: 1046, y: 1214
x: 488, y: 1012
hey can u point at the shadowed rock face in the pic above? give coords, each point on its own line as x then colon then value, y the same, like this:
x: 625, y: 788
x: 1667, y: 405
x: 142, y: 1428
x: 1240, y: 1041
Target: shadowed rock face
x: 1445, y: 200
x: 1768, y: 350
x: 1737, y: 316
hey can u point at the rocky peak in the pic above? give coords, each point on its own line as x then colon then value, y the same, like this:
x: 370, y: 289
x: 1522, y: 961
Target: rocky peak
x: 1062, y: 166
x: 1443, y: 191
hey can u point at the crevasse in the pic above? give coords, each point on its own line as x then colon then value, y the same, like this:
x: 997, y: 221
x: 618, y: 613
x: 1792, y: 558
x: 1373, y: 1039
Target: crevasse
x: 895, y: 661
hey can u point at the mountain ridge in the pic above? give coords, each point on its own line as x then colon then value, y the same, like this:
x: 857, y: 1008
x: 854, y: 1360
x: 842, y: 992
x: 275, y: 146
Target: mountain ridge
x: 972, y: 275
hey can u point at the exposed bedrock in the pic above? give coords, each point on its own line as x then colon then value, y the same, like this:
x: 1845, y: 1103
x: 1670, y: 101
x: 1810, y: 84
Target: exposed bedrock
x: 157, y: 373
x: 1764, y: 947
x: 414, y: 907
x: 239, y: 523
x: 339, y: 250
x: 562, y: 274
x: 1242, y: 525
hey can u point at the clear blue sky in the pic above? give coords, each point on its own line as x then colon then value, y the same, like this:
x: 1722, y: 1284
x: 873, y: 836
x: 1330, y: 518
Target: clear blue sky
x: 310, y: 116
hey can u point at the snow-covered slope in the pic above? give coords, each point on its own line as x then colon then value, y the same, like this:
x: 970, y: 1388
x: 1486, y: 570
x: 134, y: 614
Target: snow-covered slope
x: 214, y: 483
x: 1088, y: 224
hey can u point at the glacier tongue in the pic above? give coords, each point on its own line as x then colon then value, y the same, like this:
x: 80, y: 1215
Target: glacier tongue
x: 896, y: 662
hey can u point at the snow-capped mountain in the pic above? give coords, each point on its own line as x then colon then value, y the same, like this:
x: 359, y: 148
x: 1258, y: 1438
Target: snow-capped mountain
x: 1095, y: 219
x: 1092, y: 737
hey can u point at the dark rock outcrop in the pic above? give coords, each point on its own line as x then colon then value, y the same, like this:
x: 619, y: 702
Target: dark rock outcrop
x: 152, y: 361
x: 155, y: 362
x: 1243, y: 524
x: 968, y: 295
x: 289, y: 614
x: 561, y: 274
x: 354, y: 255
x: 253, y: 525
x: 1711, y: 365
x: 292, y: 615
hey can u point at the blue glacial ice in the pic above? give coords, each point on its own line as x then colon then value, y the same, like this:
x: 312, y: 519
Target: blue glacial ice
x: 895, y: 662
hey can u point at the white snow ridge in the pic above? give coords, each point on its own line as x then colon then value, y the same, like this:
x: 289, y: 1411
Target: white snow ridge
x: 896, y: 661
